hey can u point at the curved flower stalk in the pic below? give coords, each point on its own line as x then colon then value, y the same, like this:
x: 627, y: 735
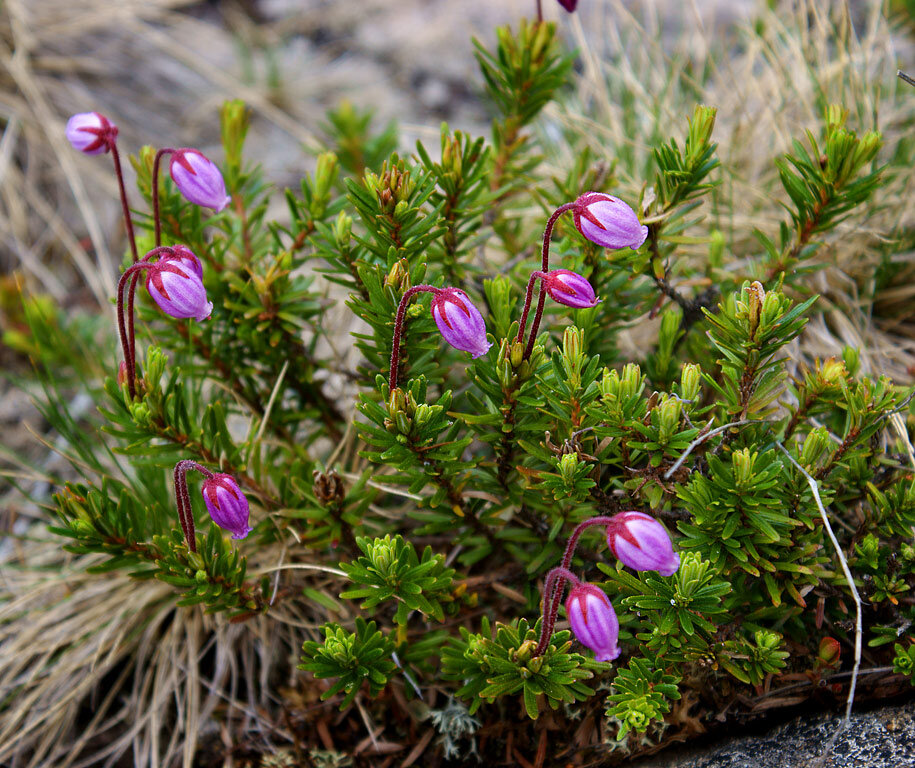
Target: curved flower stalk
x: 637, y: 539
x: 604, y: 220
x: 196, y: 177
x: 225, y: 502
x: 173, y: 283
x: 93, y: 134
x: 458, y: 320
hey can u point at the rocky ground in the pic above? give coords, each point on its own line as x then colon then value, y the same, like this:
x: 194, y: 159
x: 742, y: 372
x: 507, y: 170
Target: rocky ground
x: 882, y: 738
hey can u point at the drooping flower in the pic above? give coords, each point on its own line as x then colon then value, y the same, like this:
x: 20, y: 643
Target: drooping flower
x: 642, y: 543
x: 608, y: 221
x: 569, y: 5
x: 593, y: 620
x: 91, y: 132
x: 178, y: 290
x: 198, y: 179
x: 226, y: 504
x: 459, y: 321
x: 569, y: 288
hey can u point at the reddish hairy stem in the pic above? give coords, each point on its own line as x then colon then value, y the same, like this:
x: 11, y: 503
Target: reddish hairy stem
x: 128, y: 222
x: 527, y: 303
x: 155, y: 191
x: 552, y: 584
x: 398, y: 329
x: 131, y: 294
x: 539, y: 10
x: 545, y: 267
x: 185, y: 512
x: 127, y: 343
x: 180, y: 494
x: 554, y: 598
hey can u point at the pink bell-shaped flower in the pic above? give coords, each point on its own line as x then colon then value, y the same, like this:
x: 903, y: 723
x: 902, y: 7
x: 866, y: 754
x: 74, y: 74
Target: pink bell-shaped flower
x: 593, y: 620
x: 569, y: 288
x: 226, y: 504
x: 178, y: 290
x: 91, y: 132
x: 608, y: 221
x: 198, y: 179
x: 459, y: 321
x: 642, y: 543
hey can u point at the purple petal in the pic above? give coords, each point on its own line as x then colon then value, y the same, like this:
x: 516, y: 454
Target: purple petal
x: 608, y: 221
x: 198, y: 179
x: 459, y: 322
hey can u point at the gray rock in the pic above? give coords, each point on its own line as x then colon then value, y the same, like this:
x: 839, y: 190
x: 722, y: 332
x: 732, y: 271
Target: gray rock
x: 883, y: 738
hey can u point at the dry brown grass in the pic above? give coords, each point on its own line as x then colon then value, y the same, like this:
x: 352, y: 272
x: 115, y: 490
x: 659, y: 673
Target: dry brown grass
x: 768, y: 91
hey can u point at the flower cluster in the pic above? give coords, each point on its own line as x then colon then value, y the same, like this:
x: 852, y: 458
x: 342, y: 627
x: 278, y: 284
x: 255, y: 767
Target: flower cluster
x: 603, y: 219
x: 639, y: 542
x: 636, y: 539
x: 174, y: 280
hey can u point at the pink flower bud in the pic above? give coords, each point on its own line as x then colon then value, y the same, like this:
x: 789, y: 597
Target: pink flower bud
x: 608, y: 221
x: 226, y: 504
x: 184, y: 255
x: 459, y: 321
x: 570, y: 289
x: 199, y: 179
x: 91, y: 132
x: 177, y: 290
x: 642, y: 543
x: 594, y: 621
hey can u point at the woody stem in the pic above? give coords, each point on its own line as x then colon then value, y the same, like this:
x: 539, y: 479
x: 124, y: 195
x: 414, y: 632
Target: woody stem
x: 545, y: 267
x: 128, y: 222
x: 155, y: 191
x: 398, y: 329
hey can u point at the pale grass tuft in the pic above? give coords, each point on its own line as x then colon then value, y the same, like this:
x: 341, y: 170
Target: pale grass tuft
x: 769, y: 74
x: 166, y: 670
